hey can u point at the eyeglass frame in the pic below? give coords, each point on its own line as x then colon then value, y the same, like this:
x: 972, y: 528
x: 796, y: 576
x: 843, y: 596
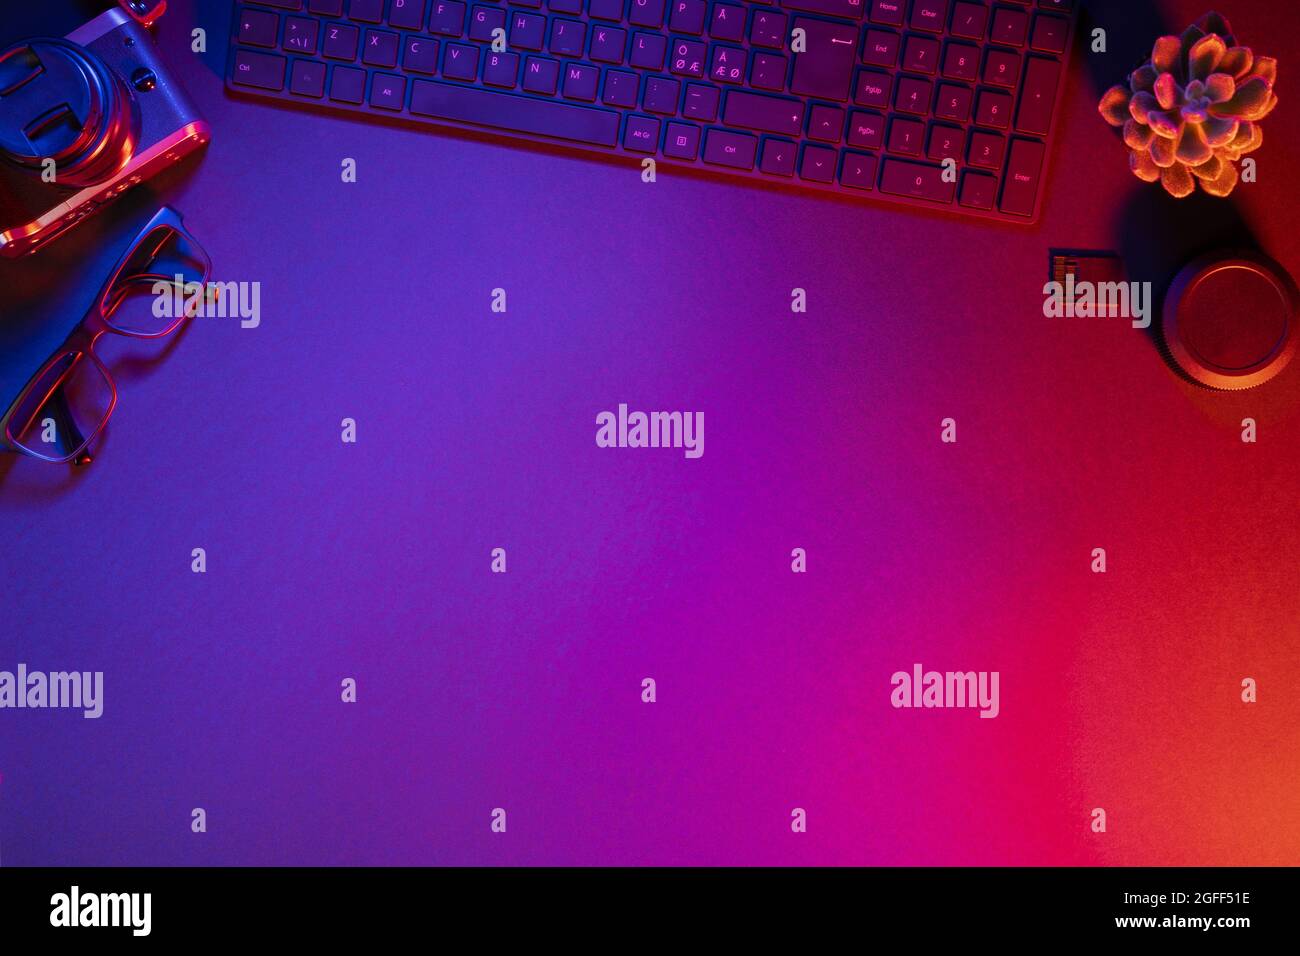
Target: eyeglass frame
x: 93, y: 325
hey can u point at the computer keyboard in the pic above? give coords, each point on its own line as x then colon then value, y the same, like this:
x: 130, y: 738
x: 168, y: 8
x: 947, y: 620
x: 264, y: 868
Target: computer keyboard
x: 940, y: 104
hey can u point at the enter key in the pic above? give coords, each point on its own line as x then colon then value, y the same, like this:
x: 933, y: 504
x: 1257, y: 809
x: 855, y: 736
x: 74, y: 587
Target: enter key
x: 1024, y: 171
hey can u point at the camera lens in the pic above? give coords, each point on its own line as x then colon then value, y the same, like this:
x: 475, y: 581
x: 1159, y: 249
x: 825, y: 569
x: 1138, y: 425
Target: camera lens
x: 59, y: 102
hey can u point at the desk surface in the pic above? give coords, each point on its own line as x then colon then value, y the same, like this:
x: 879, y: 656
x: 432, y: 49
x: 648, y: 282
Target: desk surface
x: 475, y: 431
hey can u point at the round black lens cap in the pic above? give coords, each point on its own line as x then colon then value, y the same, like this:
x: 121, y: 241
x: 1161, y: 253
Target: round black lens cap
x: 53, y: 98
x: 1230, y: 321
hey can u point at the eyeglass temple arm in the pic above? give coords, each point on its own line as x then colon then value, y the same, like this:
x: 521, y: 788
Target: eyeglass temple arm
x: 65, y: 420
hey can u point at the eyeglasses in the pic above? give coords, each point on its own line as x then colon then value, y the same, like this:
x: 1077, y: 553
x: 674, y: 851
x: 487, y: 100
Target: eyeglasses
x: 65, y: 405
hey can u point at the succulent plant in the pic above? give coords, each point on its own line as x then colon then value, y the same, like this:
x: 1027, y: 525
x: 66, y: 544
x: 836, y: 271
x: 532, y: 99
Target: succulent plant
x: 1192, y: 110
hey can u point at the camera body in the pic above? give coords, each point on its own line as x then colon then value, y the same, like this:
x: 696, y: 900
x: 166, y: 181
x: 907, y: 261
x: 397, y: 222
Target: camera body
x: 82, y: 120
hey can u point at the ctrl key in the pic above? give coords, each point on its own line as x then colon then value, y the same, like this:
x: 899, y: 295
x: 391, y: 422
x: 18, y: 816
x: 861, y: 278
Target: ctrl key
x: 262, y: 70
x: 725, y: 148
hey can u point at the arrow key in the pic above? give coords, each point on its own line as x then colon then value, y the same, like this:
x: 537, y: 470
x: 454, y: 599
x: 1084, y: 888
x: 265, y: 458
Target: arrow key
x: 818, y: 164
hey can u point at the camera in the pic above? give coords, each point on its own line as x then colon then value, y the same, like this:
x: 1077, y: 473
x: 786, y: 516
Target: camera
x: 82, y: 120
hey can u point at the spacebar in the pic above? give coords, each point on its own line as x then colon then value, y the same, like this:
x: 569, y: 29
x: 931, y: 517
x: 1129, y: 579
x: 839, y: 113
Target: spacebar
x: 522, y: 114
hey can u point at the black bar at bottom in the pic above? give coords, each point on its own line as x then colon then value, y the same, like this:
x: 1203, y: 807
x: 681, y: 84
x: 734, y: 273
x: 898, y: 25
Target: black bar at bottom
x: 1225, y: 906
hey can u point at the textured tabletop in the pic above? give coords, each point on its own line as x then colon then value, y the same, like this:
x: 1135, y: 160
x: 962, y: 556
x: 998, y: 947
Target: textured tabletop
x: 476, y: 430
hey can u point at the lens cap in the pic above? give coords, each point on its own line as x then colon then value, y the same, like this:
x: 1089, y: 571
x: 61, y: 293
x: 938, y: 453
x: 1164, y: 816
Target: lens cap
x: 1230, y: 320
x: 59, y: 101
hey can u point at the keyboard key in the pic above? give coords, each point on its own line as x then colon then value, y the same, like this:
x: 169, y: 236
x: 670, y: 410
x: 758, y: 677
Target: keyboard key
x: 848, y: 9
x: 461, y: 62
x: 767, y: 30
x: 380, y: 49
x: 825, y: 69
x: 607, y: 9
x: 501, y: 69
x: 407, y: 14
x: 308, y: 78
x: 688, y: 58
x: 661, y: 95
x: 953, y: 103
x: 1002, y: 68
x: 902, y: 177
x: 259, y: 28
x: 817, y: 164
x: 509, y: 111
x: 642, y: 134
x: 682, y: 141
x: 969, y: 20
x: 262, y: 70
x: 421, y: 55
x: 483, y: 20
x: 1038, y: 96
x: 568, y: 37
x: 1009, y: 26
x: 866, y: 129
x: 565, y: 6
x: 913, y: 95
x: 347, y: 85
x: 728, y: 64
x: 873, y: 89
x: 527, y: 31
x: 887, y: 11
x: 727, y: 22
x: 607, y: 44
x: 881, y: 48
x: 825, y: 123
x: 687, y: 16
x: 701, y: 102
x: 725, y: 148
x: 921, y: 55
x: 325, y: 8
x: 961, y: 62
x: 541, y: 75
x: 906, y: 136
x: 986, y: 149
x: 778, y: 157
x: 771, y: 114
x: 946, y: 142
x: 1050, y: 33
x: 388, y: 92
x: 1020, y: 187
x: 447, y: 18
x: 646, y: 13
x: 648, y: 51
x: 993, y: 109
x: 300, y: 35
x: 929, y: 15
x: 341, y: 42
x: 768, y: 71
x: 978, y: 190
x: 858, y: 170
x: 620, y: 88
x: 580, y: 82
x: 367, y: 11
